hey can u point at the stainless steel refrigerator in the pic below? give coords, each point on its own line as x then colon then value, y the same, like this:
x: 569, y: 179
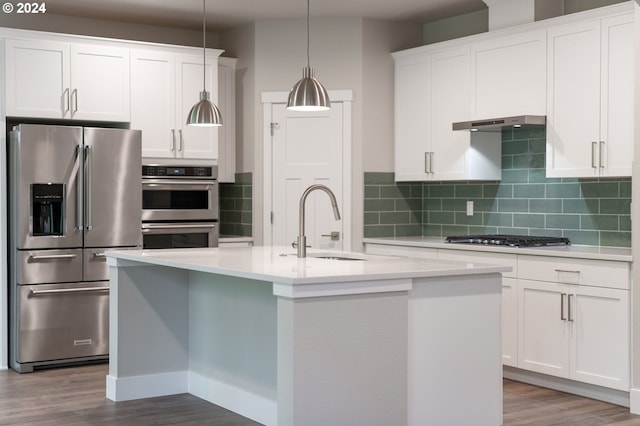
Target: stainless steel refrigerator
x: 74, y: 192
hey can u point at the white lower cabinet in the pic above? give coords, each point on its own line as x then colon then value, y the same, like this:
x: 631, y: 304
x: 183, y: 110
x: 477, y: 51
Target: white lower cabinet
x: 564, y: 317
x: 571, y: 330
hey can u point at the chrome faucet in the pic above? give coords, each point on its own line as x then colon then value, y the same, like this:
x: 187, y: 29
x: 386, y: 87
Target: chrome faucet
x: 301, y: 242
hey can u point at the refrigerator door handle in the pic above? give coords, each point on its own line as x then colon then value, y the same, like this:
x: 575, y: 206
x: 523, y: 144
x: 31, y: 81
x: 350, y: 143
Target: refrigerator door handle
x: 87, y: 188
x: 33, y: 292
x: 80, y: 188
x: 35, y: 258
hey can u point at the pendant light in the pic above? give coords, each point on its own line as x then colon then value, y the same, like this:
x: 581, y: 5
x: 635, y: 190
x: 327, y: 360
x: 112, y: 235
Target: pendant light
x: 308, y: 94
x: 204, y: 113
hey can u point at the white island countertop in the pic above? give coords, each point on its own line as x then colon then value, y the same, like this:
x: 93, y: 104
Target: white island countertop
x: 297, y: 341
x: 280, y: 264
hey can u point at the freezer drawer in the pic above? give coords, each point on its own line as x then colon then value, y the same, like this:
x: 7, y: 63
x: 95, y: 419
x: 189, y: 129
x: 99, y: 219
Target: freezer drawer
x: 62, y: 321
x: 48, y: 266
x: 95, y: 265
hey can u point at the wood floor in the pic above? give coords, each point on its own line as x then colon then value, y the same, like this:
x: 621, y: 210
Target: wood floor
x: 75, y: 396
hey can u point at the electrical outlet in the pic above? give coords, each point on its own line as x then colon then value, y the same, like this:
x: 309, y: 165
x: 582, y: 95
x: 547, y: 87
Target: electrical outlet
x: 469, y: 208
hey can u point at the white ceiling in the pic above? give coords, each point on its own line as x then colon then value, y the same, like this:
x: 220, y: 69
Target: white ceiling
x: 223, y: 14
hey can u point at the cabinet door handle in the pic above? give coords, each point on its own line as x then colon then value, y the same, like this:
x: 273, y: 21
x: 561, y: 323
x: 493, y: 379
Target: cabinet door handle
x: 601, y: 152
x: 562, y: 317
x: 74, y: 101
x: 173, y: 140
x: 426, y: 162
x: 65, y: 101
x: 431, y: 161
x: 593, y: 154
x: 181, y: 146
x: 569, y: 307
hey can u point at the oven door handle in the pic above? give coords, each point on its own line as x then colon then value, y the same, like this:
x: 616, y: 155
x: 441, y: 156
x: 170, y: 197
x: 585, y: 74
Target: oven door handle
x: 171, y: 182
x: 148, y: 228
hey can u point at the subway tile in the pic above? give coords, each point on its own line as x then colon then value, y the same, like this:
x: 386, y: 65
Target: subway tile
x: 625, y: 223
x: 615, y: 239
x: 599, y: 222
x: 485, y: 205
x: 448, y: 230
x: 432, y: 204
x: 516, y: 147
x: 454, y: 204
x: 589, y: 238
x: 461, y: 218
x: 563, y: 190
x: 382, y: 205
x: 402, y: 204
x: 545, y: 206
x: 528, y: 220
x: 498, y: 219
x: 371, y: 191
x: 379, y: 178
x: 408, y: 230
x: 432, y: 230
x: 390, y: 191
x: 615, y: 206
x: 600, y: 189
x: 625, y: 188
x: 244, y: 178
x: 441, y: 218
x: 393, y: 218
x: 560, y: 221
x: 440, y: 191
x: 538, y: 146
x: 529, y: 132
x: 529, y: 191
x: 468, y: 191
x: 371, y: 218
x: 538, y: 176
x: 529, y: 161
x: 378, y: 231
x: 506, y: 205
x: 581, y: 205
x: 515, y: 176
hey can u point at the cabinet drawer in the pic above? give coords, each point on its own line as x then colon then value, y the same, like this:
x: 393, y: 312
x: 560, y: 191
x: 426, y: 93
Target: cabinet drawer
x: 600, y: 273
x: 479, y: 257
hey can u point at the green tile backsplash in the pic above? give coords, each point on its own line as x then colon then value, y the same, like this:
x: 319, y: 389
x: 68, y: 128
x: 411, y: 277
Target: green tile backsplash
x: 236, y: 206
x: 587, y: 211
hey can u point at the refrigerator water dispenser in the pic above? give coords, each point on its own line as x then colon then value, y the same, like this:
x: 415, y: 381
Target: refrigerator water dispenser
x: 47, y: 209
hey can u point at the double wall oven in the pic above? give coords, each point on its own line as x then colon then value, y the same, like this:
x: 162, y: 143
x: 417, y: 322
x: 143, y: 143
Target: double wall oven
x: 179, y: 206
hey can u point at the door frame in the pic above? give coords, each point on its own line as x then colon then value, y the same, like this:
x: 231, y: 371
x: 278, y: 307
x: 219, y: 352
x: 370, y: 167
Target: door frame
x: 346, y: 98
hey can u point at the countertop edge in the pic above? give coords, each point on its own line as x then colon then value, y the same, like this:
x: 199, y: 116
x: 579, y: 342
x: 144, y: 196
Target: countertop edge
x: 414, y: 269
x: 571, y: 251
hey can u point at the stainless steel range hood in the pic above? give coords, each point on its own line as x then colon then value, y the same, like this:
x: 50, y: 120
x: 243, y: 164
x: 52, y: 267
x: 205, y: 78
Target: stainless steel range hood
x: 496, y: 124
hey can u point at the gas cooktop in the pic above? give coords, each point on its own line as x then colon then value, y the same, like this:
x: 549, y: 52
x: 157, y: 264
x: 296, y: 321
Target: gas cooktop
x: 508, y: 240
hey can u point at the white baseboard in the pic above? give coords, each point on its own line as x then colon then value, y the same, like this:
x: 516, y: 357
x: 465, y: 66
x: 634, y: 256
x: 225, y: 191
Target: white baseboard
x: 255, y: 407
x: 149, y: 386
x: 586, y: 390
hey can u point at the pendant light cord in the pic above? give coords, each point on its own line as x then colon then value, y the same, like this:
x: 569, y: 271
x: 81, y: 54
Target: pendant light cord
x: 204, y: 50
x: 308, y: 35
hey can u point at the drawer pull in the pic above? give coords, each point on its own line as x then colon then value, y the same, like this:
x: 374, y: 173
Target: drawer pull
x: 567, y: 271
x: 562, y: 317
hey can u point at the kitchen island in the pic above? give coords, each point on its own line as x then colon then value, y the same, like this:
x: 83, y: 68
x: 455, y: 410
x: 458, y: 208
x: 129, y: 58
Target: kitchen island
x: 333, y: 338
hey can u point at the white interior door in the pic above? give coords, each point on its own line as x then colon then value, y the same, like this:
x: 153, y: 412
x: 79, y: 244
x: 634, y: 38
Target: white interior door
x: 307, y: 149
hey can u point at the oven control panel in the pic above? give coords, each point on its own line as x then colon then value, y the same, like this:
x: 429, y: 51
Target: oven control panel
x: 204, y: 172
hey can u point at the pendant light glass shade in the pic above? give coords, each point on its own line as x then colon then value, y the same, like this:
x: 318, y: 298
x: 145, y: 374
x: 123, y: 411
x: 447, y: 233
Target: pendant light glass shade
x: 204, y: 113
x: 308, y: 94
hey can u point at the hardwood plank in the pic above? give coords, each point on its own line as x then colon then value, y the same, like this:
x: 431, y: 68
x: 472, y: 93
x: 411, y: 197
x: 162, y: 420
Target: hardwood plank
x: 75, y: 396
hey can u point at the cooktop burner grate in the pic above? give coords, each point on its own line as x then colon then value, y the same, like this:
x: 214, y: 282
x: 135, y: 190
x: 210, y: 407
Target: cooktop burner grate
x: 509, y: 240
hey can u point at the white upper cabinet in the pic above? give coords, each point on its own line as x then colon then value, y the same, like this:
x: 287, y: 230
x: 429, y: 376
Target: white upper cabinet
x: 227, y: 105
x: 590, y: 98
x: 65, y: 80
x: 432, y: 90
x: 509, y: 75
x: 164, y: 87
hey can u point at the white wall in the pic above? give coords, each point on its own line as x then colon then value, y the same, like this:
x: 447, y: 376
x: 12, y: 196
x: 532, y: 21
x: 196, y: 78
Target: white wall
x: 347, y: 53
